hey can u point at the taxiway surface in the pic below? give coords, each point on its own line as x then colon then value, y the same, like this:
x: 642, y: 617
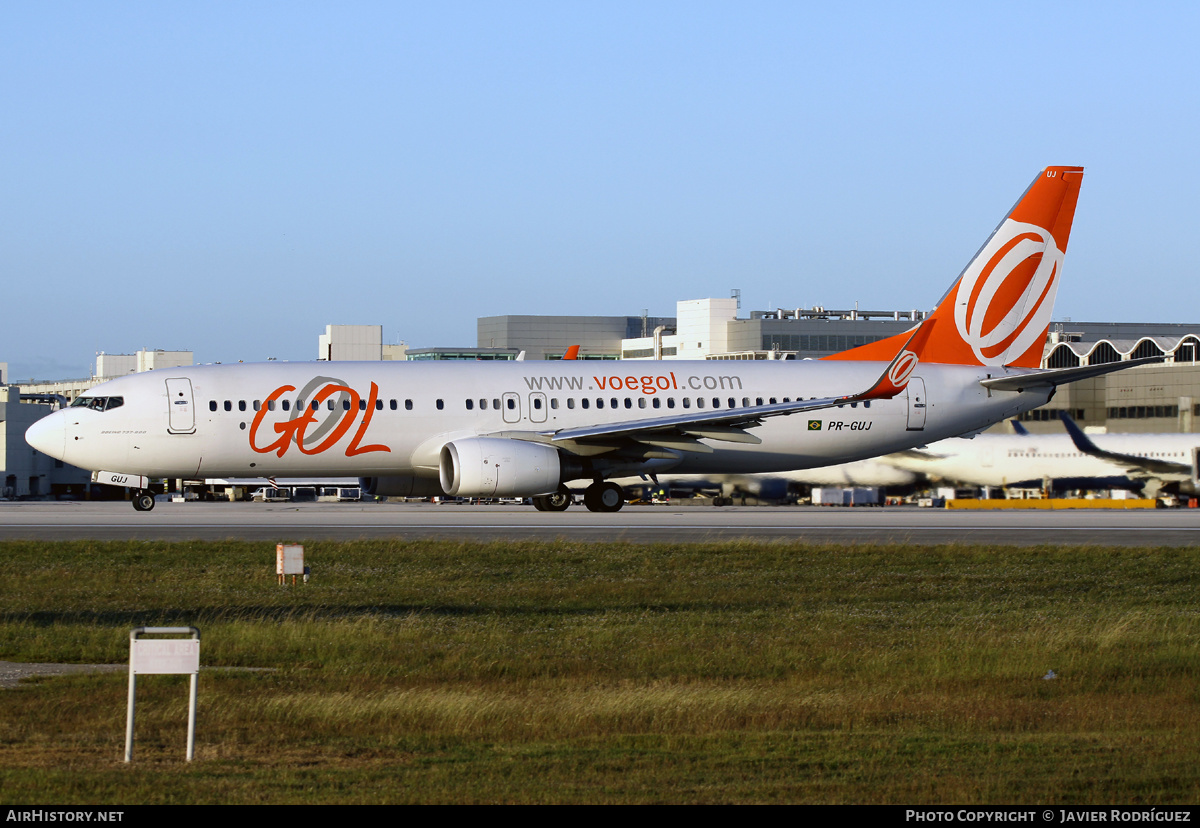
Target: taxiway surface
x: 348, y: 521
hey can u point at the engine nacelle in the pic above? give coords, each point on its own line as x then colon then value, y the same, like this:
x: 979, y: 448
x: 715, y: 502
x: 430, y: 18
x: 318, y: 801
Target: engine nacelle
x: 400, y: 486
x: 497, y: 467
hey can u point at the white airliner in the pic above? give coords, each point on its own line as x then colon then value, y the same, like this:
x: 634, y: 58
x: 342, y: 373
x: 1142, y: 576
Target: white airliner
x: 1148, y: 463
x: 525, y: 430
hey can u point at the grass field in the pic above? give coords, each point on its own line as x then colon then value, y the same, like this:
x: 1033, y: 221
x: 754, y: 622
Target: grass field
x: 611, y: 673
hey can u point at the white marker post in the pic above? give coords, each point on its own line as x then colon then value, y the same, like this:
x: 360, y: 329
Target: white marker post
x: 289, y: 560
x: 170, y: 656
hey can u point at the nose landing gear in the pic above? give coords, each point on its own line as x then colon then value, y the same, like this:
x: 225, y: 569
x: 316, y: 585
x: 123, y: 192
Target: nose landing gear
x: 143, y: 500
x: 557, y: 502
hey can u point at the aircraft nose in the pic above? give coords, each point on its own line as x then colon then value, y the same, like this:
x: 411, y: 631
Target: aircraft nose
x: 49, y: 435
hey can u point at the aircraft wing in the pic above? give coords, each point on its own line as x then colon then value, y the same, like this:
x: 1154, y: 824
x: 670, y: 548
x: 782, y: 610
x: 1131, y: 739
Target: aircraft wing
x: 1136, y: 466
x: 730, y: 424
x: 916, y: 454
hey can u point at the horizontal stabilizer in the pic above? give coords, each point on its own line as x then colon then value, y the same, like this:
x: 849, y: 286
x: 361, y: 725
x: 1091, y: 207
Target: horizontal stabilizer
x: 1054, y: 377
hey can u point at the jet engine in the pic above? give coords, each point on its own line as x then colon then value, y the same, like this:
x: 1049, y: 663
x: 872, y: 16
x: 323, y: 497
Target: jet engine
x: 497, y: 467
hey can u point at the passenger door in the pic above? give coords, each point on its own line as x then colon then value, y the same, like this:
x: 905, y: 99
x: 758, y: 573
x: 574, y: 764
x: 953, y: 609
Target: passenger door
x: 916, y: 404
x: 181, y: 413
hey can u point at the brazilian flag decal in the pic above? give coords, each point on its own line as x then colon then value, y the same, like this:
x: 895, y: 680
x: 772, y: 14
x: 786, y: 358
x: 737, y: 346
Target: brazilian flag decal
x: 814, y: 425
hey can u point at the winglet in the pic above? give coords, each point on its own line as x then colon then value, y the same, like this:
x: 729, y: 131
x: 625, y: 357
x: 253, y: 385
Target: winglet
x: 571, y: 353
x: 895, y: 377
x: 1081, y: 440
x: 1020, y: 430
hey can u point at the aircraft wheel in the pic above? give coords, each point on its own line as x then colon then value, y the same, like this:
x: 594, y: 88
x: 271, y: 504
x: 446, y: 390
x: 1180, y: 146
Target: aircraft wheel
x: 539, y: 503
x: 560, y: 501
x: 604, y: 497
x: 718, y: 501
x: 143, y: 501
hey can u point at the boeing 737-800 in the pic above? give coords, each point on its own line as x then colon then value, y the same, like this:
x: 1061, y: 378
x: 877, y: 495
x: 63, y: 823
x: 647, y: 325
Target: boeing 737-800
x: 519, y: 430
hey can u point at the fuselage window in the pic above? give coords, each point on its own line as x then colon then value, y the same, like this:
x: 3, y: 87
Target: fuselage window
x: 583, y: 403
x: 512, y: 404
x: 758, y: 400
x: 257, y: 405
x: 392, y: 405
x: 716, y: 402
x: 657, y: 402
x: 613, y: 403
x: 772, y: 401
x: 408, y: 405
x: 599, y: 402
x: 440, y: 405
x: 866, y: 403
x: 628, y: 403
x: 287, y: 405
x: 378, y: 404
x: 483, y: 405
x: 470, y: 404
x: 641, y: 402
x: 746, y: 402
x: 362, y: 404
x: 699, y: 402
x: 537, y: 403
x: 212, y: 405
x: 554, y: 403
x: 570, y: 402
x: 345, y: 405
x: 314, y: 405
x: 495, y: 403
x: 687, y: 402
x: 228, y: 405
x: 732, y: 403
x: 670, y: 402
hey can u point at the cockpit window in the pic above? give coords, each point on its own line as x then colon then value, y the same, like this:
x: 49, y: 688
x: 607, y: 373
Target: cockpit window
x: 98, y: 403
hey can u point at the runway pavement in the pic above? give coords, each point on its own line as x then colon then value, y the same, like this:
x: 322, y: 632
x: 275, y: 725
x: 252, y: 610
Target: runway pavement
x: 52, y: 521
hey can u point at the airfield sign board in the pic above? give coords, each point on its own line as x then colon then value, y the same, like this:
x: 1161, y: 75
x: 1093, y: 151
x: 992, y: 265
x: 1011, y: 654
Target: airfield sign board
x: 164, y: 656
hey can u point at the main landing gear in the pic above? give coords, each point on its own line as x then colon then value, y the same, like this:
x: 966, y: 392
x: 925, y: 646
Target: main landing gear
x: 603, y: 497
x: 598, y: 497
x: 143, y: 500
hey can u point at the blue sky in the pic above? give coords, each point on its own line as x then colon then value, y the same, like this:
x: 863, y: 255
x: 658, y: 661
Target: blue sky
x: 231, y: 177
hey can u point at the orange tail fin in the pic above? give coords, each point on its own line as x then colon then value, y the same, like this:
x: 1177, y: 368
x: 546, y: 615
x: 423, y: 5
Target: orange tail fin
x: 998, y: 311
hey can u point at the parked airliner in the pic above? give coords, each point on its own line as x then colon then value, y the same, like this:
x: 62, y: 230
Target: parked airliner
x: 1147, y: 463
x: 524, y: 429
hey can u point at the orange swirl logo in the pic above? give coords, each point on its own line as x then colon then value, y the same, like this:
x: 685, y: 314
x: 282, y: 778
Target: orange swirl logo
x: 899, y: 373
x: 1006, y: 295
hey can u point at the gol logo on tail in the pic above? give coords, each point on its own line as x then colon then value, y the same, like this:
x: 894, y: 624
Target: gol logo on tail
x: 325, y: 433
x: 1006, y: 297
